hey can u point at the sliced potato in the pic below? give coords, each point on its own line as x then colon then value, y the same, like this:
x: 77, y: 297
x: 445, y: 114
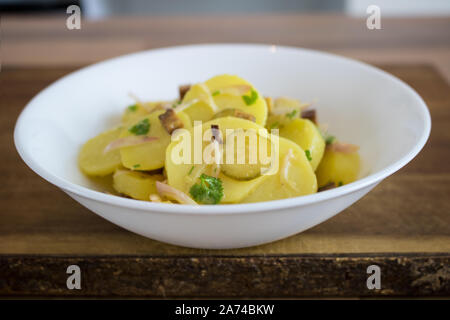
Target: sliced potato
x: 277, y: 121
x: 298, y: 177
x: 234, y: 113
x: 204, y: 107
x: 138, y: 110
x: 133, y: 112
x: 283, y: 111
x: 294, y: 178
x: 225, y: 97
x: 338, y: 167
x: 243, y: 166
x: 93, y: 161
x: 183, y: 175
x: 149, y: 156
x: 306, y: 135
x: 137, y: 185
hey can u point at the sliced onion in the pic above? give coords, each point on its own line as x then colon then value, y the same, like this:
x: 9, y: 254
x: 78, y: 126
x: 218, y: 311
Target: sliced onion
x: 161, y: 106
x: 343, y: 147
x: 237, y: 90
x: 185, y: 105
x: 198, y: 172
x: 217, y: 158
x: 285, y: 170
x: 167, y: 191
x: 285, y: 105
x: 281, y: 111
x: 155, y: 198
x: 323, y: 128
x: 128, y: 142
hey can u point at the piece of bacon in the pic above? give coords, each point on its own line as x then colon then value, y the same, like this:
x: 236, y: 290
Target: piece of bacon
x: 309, y: 114
x: 183, y: 89
x: 170, y: 121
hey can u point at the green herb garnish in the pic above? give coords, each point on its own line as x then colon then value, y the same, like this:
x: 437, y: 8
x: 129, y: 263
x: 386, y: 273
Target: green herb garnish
x: 215, y: 93
x: 140, y: 128
x: 133, y: 107
x: 291, y: 114
x: 190, y: 171
x: 329, y: 139
x: 274, y: 125
x: 340, y: 184
x: 136, y: 166
x: 308, y: 155
x: 251, y: 99
x: 208, y: 191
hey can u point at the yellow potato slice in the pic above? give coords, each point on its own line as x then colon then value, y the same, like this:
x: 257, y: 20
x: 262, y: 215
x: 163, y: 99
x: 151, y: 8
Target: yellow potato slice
x: 136, y: 111
x: 276, y: 121
x: 183, y: 175
x: 133, y: 112
x: 243, y: 167
x: 338, y: 167
x: 283, y: 111
x: 202, y: 107
x: 221, y: 88
x: 93, y: 161
x: 149, y: 156
x: 137, y: 185
x: 294, y: 178
x: 297, y: 179
x: 304, y: 133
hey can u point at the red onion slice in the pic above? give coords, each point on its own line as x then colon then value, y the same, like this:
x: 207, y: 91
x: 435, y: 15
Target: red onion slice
x: 167, y: 191
x: 343, y: 147
x: 128, y: 142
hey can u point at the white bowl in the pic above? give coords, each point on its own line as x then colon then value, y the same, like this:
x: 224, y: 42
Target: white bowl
x: 362, y: 105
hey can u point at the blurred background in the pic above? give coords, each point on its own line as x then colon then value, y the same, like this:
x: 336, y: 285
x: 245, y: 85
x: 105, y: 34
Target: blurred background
x: 105, y: 8
x: 34, y: 32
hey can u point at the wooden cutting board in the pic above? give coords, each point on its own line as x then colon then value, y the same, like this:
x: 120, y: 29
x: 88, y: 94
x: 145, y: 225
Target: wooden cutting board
x: 403, y: 226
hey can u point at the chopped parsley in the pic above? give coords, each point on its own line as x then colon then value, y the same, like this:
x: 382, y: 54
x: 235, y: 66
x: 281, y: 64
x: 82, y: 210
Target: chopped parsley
x: 133, y: 107
x: 340, y: 184
x: 208, y: 191
x: 215, y: 93
x: 308, y: 155
x: 140, y: 128
x: 274, y: 125
x: 291, y: 114
x: 136, y: 166
x: 329, y: 139
x: 251, y: 99
x: 190, y: 171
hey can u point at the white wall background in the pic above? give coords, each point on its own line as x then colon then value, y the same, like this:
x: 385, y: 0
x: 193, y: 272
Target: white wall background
x: 401, y: 7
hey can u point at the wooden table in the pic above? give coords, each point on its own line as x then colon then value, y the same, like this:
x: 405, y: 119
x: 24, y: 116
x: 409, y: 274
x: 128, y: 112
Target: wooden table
x: 403, y: 225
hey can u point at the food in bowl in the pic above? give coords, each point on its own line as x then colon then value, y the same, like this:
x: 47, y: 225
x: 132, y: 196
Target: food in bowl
x: 220, y: 142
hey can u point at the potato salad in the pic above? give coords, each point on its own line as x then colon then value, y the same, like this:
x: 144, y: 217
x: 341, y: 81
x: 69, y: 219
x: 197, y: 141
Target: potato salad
x: 220, y: 142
